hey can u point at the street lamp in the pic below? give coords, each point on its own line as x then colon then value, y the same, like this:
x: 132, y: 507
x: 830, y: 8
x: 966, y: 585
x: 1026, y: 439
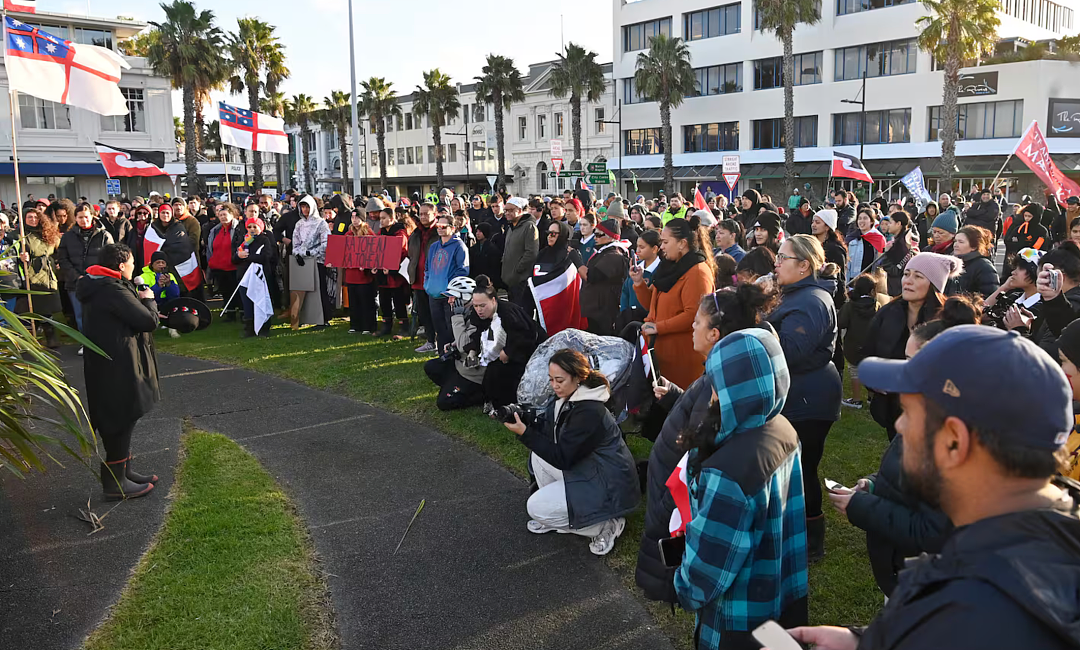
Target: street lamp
x: 862, y: 103
x: 618, y: 148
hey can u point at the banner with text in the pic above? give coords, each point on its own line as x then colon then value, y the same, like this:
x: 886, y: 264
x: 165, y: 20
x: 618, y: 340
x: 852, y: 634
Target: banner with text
x: 1035, y: 153
x: 369, y: 252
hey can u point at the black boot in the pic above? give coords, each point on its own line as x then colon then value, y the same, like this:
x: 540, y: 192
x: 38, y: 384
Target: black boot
x: 229, y: 317
x: 265, y: 331
x: 51, y: 340
x: 387, y: 328
x: 815, y: 538
x: 249, y: 329
x: 115, y: 484
x: 135, y: 477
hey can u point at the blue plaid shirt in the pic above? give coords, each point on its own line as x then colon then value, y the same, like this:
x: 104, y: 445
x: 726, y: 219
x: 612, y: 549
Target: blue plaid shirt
x: 745, y: 555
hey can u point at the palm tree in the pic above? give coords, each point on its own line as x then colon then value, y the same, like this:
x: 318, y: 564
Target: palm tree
x: 212, y: 141
x: 377, y: 101
x: 250, y: 48
x: 274, y: 101
x: 664, y: 75
x: 337, y: 114
x: 954, y: 32
x: 178, y: 129
x: 501, y: 86
x: 299, y: 111
x: 186, y: 47
x: 577, y: 74
x: 780, y: 17
x: 438, y: 100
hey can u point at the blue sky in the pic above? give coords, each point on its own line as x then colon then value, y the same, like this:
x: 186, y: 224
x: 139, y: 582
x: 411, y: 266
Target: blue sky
x: 394, y: 39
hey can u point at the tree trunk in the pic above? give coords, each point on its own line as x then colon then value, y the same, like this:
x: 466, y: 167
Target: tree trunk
x: 497, y: 97
x: 346, y: 188
x: 253, y: 106
x: 436, y: 136
x: 190, y: 160
x: 200, y: 126
x: 309, y: 184
x: 380, y: 140
x: 665, y: 141
x: 947, y: 128
x: 575, y: 127
x: 789, y: 112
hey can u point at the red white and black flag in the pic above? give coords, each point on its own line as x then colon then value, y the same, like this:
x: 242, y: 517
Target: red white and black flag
x: 845, y: 166
x: 558, y: 299
x: 180, y: 252
x: 121, y: 163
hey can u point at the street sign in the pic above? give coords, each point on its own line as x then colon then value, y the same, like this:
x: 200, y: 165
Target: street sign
x: 556, y: 148
x: 491, y: 182
x: 557, y: 164
x: 731, y: 164
x: 112, y: 186
x: 731, y: 179
x: 602, y: 179
x: 569, y: 173
x: 597, y: 168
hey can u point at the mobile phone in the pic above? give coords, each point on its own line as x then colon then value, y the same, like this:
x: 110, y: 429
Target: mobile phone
x: 672, y: 550
x: 774, y: 637
x: 833, y: 486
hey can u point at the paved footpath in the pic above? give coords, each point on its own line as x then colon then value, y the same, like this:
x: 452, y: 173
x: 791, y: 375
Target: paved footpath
x: 469, y: 575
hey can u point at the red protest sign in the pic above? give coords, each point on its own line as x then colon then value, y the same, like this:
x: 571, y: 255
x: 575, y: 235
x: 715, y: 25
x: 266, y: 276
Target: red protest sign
x: 368, y: 252
x: 1033, y: 150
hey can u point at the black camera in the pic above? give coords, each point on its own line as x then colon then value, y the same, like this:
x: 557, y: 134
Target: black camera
x: 506, y: 413
x: 450, y: 355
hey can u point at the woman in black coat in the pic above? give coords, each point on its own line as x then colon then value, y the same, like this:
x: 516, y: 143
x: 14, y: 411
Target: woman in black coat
x: 517, y: 334
x: 79, y: 249
x: 972, y: 245
x: 122, y: 386
x: 254, y: 246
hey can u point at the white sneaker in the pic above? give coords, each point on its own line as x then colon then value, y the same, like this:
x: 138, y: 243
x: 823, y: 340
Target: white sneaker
x: 426, y: 347
x: 605, y: 541
x: 535, y: 526
x: 80, y: 350
x: 173, y: 333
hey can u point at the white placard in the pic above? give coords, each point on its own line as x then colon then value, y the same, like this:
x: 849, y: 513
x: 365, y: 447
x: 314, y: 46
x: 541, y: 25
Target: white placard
x: 731, y: 164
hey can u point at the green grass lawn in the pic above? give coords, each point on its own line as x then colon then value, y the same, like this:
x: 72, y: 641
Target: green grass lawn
x: 390, y: 375
x: 231, y: 569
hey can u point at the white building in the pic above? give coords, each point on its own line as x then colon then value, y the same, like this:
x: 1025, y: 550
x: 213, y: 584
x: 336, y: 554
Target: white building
x: 469, y: 143
x: 56, y: 142
x: 740, y: 108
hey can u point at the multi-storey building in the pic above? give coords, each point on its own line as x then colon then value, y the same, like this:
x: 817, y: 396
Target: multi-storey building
x: 469, y: 143
x: 56, y: 142
x: 738, y: 105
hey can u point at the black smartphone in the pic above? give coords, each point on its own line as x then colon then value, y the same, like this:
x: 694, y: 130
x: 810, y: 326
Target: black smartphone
x: 672, y: 550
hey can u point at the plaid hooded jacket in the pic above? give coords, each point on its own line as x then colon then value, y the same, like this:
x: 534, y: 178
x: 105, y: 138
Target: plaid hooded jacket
x: 745, y: 560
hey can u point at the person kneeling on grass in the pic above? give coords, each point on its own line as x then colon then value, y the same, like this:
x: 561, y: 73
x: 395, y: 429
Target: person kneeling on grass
x: 586, y: 474
x: 459, y: 376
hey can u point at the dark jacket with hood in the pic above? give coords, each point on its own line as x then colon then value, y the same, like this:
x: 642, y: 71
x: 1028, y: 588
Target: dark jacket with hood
x: 1026, y: 234
x: 797, y: 224
x: 895, y: 260
x: 846, y: 224
x: 419, y: 242
x: 898, y: 524
x: 887, y: 338
x: 123, y: 387
x: 984, y: 215
x: 519, y: 250
x: 1054, y: 315
x: 551, y: 258
x: 806, y: 322
x: 855, y: 317
x: 608, y: 269
x: 523, y: 334
x: 580, y: 437
x: 119, y: 229
x: 79, y: 249
x: 1009, y: 581
x: 978, y: 276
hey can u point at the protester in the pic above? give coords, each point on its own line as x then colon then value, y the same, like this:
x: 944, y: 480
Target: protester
x: 585, y: 472
x: 864, y: 243
x: 1026, y: 232
x: 923, y: 223
x: 447, y: 258
x: 122, y: 384
x: 360, y: 285
x: 799, y: 218
x: 255, y: 247
x: 758, y: 263
x: 459, y: 378
x: 220, y: 244
x: 677, y: 208
x: 728, y: 236
x: 767, y: 231
x: 648, y: 258
x: 604, y: 274
x: 586, y: 237
x: 684, y: 275
x: 854, y: 320
x: 943, y: 229
x: 972, y: 245
x: 1018, y: 290
x: 391, y: 287
x: 1060, y: 303
x: 309, y: 306
x: 162, y: 281
x: 985, y: 213
x: 420, y: 241
x: 39, y: 250
x: 79, y: 249
x: 504, y: 340
x: 519, y: 251
x: 898, y: 251
x: 986, y: 455
x: 823, y: 227
x: 845, y: 213
x: 1069, y: 356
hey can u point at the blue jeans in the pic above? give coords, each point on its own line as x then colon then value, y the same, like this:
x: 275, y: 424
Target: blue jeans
x: 76, y: 305
x: 440, y: 316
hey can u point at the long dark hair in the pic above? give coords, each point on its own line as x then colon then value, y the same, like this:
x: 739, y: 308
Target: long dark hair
x: 696, y: 237
x: 730, y: 310
x: 576, y: 365
x: 50, y: 232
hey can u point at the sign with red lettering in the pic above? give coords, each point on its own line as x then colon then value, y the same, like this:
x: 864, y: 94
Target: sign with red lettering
x: 1033, y: 150
x: 368, y: 252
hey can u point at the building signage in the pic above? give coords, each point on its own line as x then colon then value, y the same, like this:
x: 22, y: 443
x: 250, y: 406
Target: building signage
x: 977, y: 84
x: 112, y: 186
x: 1063, y: 120
x: 597, y: 168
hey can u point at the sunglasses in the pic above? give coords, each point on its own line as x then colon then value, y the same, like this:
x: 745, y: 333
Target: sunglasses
x: 553, y: 234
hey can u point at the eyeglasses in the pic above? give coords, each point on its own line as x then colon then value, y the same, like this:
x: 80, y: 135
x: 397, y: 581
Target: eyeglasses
x: 783, y: 257
x: 553, y: 234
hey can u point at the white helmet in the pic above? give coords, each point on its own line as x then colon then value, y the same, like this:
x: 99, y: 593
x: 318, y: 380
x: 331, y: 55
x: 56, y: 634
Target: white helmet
x: 461, y: 288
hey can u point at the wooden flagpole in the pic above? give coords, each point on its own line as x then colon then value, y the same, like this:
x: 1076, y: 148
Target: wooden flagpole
x: 18, y: 195
x: 228, y: 183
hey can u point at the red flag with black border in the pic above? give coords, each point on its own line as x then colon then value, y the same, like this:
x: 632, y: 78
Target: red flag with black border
x: 123, y: 163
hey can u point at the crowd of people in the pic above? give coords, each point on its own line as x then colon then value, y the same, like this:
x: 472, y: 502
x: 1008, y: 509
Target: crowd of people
x: 754, y: 313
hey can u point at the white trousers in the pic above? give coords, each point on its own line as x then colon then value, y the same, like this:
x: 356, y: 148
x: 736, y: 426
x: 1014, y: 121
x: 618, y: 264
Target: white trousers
x: 548, y: 504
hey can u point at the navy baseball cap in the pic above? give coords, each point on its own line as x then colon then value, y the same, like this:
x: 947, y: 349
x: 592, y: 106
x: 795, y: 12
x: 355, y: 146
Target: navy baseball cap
x: 988, y: 378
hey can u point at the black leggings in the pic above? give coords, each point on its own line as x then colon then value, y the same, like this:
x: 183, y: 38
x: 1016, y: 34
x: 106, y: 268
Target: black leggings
x: 812, y: 435
x: 362, y: 307
x: 393, y: 302
x: 117, y: 441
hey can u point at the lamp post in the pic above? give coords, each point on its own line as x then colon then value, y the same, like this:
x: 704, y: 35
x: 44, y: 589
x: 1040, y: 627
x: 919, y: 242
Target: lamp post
x: 862, y: 104
x: 618, y: 148
x: 352, y: 100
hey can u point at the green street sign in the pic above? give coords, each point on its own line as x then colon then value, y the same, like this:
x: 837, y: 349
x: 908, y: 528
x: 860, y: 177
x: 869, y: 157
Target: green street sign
x: 602, y: 179
x: 597, y: 168
x: 568, y: 173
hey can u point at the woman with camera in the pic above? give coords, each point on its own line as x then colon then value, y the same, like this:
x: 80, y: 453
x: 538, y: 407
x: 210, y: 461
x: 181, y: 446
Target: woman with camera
x: 504, y: 340
x: 585, y: 472
x: 460, y: 378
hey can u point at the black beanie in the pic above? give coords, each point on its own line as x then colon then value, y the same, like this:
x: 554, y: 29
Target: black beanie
x: 158, y: 255
x: 1069, y: 342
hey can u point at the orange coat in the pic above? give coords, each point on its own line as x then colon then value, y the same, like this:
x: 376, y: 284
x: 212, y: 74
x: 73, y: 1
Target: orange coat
x: 673, y: 313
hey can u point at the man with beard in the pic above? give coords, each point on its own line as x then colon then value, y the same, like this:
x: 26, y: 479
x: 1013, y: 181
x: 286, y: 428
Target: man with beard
x: 269, y: 215
x: 845, y: 214
x: 988, y: 456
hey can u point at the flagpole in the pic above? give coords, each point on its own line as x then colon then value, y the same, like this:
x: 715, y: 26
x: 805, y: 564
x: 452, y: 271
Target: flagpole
x: 228, y: 184
x: 1002, y: 170
x: 18, y: 195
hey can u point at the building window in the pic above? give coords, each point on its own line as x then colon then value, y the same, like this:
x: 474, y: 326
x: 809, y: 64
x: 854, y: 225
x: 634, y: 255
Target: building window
x: 983, y: 120
x: 431, y: 153
x: 769, y: 134
x: 331, y: 140
x: 389, y: 125
x: 479, y: 152
x: 698, y: 138
x: 374, y: 159
x: 882, y: 127
x: 401, y: 156
x: 643, y: 142
x: 523, y: 128
x: 400, y: 122
x: 718, y: 80
x: 630, y: 93
x: 420, y: 156
x: 637, y: 36
x: 541, y: 127
x: 558, y: 125
x: 542, y: 173
x: 844, y: 7
x: 135, y: 120
x: 451, y: 153
x: 877, y: 60
x: 478, y: 113
x: 409, y: 159
x: 598, y: 117
x: 99, y: 37
x: 409, y: 122
x: 769, y: 73
x: 709, y: 23
x: 43, y: 114
x: 465, y: 113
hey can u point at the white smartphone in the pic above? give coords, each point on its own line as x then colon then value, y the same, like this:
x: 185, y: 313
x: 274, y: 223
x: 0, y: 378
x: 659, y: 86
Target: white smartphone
x: 774, y: 637
x: 833, y: 486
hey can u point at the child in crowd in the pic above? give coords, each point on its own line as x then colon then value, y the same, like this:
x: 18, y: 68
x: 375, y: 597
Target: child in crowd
x: 854, y: 319
x: 725, y: 271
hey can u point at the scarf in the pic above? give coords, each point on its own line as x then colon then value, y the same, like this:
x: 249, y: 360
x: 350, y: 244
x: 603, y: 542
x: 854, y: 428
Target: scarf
x: 668, y: 272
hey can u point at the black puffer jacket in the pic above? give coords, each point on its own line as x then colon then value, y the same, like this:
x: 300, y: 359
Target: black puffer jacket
x: 978, y: 276
x: 685, y: 410
x: 984, y: 215
x: 898, y: 525
x: 79, y: 250
x: 886, y: 338
x: 1009, y: 581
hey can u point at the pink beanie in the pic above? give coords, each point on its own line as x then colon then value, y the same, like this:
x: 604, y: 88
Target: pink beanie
x: 937, y: 268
